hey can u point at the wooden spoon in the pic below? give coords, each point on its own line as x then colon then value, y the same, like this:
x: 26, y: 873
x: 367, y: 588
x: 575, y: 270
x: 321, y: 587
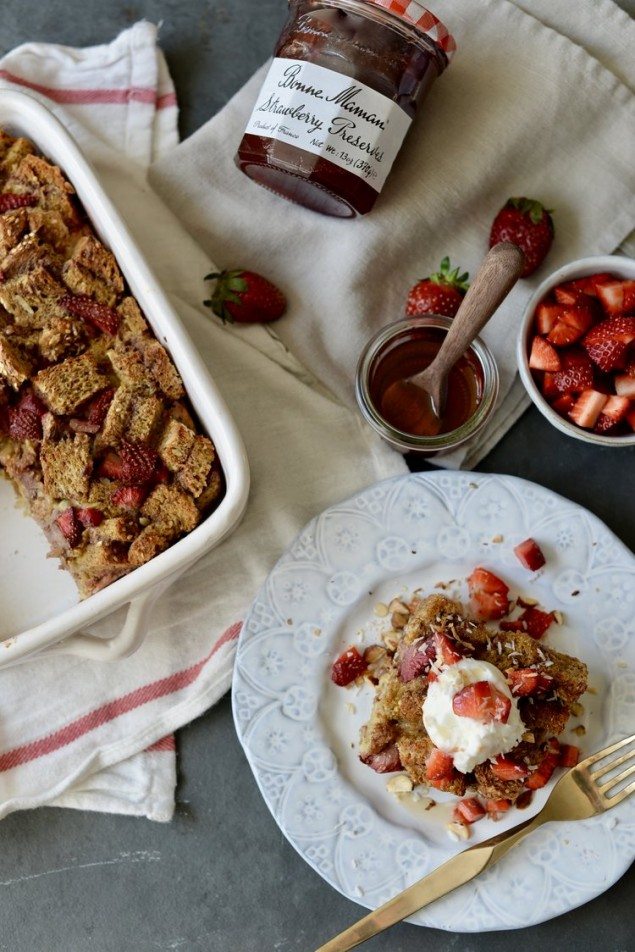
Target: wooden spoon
x: 419, y: 401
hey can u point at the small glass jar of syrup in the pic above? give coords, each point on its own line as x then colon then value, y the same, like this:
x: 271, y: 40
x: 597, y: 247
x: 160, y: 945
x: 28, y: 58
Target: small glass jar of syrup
x: 402, y: 349
x: 346, y: 81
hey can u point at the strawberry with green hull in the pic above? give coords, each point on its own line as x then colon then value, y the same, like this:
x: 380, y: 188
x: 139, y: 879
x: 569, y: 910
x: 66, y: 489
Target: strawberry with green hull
x: 529, y: 225
x: 245, y: 297
x: 440, y: 293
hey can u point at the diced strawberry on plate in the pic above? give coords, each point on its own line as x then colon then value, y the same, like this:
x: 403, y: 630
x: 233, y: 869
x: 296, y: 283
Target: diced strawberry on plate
x: 533, y: 622
x: 530, y: 554
x: 625, y: 386
x: 569, y: 755
x: 543, y: 356
x: 468, y: 810
x: 526, y: 681
x: 587, y: 408
x: 348, y: 667
x: 498, y: 806
x: 542, y: 775
x: 506, y: 768
x: 614, y: 411
x: 617, y: 297
x: 482, y: 702
x: 439, y: 766
x: 489, y: 595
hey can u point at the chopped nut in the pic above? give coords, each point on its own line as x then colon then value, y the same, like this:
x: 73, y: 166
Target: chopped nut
x: 351, y: 708
x: 498, y: 538
x: 391, y: 640
x: 622, y: 664
x: 558, y: 617
x: 527, y: 601
x: 580, y: 730
x: 381, y: 610
x: 401, y: 783
x: 458, y: 831
x: 399, y: 620
x: 529, y: 737
x: 398, y: 606
x: 576, y: 709
x: 591, y: 690
x: 374, y: 653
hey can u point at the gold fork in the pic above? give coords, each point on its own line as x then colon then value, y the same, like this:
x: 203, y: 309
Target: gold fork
x: 578, y: 795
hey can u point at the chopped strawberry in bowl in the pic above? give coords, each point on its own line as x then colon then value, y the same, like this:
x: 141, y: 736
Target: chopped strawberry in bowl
x: 576, y: 352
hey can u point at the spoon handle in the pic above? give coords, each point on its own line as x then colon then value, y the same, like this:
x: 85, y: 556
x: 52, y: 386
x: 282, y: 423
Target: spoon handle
x: 496, y: 277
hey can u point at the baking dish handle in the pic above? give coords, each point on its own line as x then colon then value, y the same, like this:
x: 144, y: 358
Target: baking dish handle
x: 120, y: 646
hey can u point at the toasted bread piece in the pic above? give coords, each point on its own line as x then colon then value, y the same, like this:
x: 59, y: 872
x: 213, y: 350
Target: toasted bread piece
x: 12, y: 228
x: 147, y: 413
x: 14, y: 365
x: 12, y: 158
x: 133, y: 324
x: 129, y: 367
x: 171, y: 509
x: 176, y: 445
x: 38, y: 177
x: 24, y: 295
x: 193, y: 474
x: 65, y: 386
x: 92, y: 257
x: 62, y: 336
x: 165, y: 374
x: 150, y: 542
x: 66, y: 466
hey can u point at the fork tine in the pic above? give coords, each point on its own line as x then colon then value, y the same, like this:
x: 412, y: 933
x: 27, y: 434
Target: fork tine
x: 613, y: 782
x: 622, y: 795
x: 597, y: 774
x: 608, y: 751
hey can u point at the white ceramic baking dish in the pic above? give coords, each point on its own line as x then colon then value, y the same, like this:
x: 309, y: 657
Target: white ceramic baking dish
x: 39, y: 604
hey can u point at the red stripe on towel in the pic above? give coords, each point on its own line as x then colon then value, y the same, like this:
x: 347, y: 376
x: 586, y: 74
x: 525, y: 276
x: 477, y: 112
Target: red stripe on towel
x: 165, y: 743
x: 87, y: 97
x: 108, y: 712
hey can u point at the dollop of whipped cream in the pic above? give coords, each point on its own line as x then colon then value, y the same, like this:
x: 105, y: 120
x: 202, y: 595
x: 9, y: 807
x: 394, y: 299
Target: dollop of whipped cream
x: 468, y: 741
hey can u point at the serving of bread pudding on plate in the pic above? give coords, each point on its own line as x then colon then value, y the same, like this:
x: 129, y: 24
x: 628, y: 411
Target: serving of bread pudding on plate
x: 465, y: 708
x: 96, y: 432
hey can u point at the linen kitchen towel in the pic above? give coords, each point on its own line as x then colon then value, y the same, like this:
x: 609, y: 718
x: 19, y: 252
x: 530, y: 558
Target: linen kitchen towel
x: 522, y: 110
x: 98, y: 735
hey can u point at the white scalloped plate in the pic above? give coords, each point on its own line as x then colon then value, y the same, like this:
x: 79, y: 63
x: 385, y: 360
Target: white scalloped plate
x: 300, y: 732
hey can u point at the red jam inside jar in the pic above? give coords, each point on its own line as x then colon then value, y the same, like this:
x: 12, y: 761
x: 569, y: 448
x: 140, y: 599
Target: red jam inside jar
x: 347, y: 79
x: 414, y: 352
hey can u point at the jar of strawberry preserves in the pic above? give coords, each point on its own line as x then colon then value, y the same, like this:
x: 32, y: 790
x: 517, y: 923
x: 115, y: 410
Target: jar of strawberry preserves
x: 346, y: 82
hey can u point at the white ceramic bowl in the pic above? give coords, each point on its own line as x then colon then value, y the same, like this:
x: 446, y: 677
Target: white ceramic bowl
x: 619, y: 265
x: 40, y: 604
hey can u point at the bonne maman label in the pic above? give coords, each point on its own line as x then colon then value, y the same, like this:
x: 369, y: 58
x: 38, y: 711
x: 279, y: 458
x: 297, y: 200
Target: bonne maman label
x: 328, y: 114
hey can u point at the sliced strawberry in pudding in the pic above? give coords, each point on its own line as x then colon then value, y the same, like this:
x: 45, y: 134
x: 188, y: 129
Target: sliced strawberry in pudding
x: 482, y: 702
x: 542, y: 775
x: 439, y: 766
x: 446, y: 650
x: 526, y: 681
x: 506, y: 768
x: 386, y: 761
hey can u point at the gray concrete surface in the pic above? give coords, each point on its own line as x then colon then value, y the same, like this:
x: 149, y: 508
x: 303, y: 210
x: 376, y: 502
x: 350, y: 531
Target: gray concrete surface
x: 221, y: 877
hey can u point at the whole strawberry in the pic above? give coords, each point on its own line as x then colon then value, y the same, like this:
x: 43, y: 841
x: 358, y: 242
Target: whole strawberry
x: 245, y: 297
x: 440, y: 293
x: 528, y: 224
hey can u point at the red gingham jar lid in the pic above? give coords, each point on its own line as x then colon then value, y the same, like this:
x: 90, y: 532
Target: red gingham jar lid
x: 415, y: 13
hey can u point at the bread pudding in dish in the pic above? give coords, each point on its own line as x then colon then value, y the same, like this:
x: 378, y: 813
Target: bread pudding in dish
x: 96, y: 433
x: 465, y: 708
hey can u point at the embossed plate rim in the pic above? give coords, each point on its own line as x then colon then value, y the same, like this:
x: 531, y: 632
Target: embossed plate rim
x: 475, y: 899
